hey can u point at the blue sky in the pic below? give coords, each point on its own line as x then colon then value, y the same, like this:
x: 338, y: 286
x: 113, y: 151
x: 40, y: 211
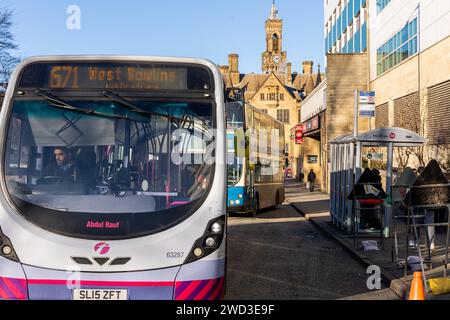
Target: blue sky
x: 193, y: 28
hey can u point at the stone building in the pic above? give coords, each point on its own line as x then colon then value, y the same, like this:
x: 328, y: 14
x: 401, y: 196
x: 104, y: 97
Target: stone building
x: 328, y: 112
x: 278, y: 90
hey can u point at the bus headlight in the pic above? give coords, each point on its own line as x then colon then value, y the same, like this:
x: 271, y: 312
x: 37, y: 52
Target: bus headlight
x: 237, y: 202
x: 209, y: 242
x: 240, y: 196
x: 198, y: 252
x: 216, y: 227
x: 7, y: 250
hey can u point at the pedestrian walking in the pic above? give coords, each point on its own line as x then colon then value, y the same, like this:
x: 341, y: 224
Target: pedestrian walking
x: 311, y: 180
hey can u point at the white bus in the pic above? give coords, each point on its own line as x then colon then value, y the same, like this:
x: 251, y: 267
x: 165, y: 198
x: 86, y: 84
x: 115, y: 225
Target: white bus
x: 113, y: 181
x: 255, y: 155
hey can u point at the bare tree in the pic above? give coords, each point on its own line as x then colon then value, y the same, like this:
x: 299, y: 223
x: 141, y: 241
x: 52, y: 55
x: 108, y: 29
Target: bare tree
x: 402, y: 156
x: 7, y: 44
x: 7, y: 65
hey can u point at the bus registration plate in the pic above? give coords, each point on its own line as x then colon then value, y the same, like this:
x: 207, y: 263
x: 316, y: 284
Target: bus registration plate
x: 97, y: 294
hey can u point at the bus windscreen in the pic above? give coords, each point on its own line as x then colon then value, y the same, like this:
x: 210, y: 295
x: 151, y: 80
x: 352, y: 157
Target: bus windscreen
x: 125, y: 76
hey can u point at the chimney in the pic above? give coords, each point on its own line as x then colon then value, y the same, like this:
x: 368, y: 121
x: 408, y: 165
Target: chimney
x: 289, y: 73
x: 233, y: 62
x: 308, y: 67
x: 224, y: 70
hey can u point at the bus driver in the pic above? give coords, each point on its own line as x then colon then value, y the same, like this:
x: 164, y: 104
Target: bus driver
x: 63, y: 166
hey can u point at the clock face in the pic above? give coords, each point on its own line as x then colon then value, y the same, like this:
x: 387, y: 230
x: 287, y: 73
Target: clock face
x: 276, y: 58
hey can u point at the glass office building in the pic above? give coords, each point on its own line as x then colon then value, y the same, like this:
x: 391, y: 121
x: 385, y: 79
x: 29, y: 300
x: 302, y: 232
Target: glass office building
x: 346, y: 29
x: 398, y: 48
x: 381, y: 4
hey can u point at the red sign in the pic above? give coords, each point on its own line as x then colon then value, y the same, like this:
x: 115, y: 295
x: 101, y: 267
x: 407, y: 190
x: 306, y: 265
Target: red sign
x: 299, y: 135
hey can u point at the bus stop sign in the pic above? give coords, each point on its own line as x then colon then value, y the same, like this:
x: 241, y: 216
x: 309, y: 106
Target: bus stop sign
x: 367, y: 104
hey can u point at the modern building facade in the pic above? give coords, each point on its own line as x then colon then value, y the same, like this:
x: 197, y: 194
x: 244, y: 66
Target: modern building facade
x: 410, y: 72
x: 402, y: 52
x: 345, y: 26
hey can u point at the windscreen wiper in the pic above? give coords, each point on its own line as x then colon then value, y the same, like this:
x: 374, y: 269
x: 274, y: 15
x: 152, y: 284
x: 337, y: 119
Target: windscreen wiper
x: 62, y: 104
x: 130, y: 106
x: 124, y: 102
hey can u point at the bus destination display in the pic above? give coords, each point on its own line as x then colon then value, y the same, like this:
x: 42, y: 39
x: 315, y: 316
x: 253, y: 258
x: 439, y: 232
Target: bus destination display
x: 119, y: 77
x: 116, y: 76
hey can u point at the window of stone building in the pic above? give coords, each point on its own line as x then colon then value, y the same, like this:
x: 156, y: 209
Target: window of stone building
x: 283, y: 115
x: 264, y: 110
x: 262, y: 97
x: 275, y: 42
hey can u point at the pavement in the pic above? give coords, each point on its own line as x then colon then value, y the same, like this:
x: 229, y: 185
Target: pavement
x: 279, y: 255
x: 315, y: 207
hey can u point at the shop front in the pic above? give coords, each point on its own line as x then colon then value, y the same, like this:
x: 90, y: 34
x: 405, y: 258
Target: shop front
x: 312, y: 142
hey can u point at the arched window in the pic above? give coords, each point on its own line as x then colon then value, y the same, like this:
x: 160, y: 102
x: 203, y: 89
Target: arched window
x: 275, y: 42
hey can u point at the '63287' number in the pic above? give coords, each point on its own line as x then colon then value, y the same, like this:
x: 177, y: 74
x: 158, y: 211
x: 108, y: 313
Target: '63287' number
x: 175, y: 255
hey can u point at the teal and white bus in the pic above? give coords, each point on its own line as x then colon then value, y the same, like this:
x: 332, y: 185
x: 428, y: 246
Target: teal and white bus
x: 255, y: 159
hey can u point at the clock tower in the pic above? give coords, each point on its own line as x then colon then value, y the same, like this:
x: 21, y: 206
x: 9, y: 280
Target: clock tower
x: 274, y: 58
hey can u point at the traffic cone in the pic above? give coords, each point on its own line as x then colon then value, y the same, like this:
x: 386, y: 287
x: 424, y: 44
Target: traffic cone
x: 417, y: 291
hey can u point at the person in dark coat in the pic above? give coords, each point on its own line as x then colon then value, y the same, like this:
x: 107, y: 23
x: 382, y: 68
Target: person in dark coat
x: 311, y: 180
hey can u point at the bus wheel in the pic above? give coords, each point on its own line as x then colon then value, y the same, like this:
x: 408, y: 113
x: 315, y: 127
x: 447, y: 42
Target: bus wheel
x: 277, y: 199
x: 255, y: 209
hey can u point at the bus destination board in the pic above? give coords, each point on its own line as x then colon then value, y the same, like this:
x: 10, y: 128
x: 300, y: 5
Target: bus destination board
x: 119, y: 77
x: 116, y: 76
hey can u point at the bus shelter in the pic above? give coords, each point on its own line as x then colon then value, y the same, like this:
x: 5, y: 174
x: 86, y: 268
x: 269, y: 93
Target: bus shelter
x: 346, y: 168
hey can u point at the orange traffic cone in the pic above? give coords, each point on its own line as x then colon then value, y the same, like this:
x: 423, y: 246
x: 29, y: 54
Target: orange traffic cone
x: 417, y: 291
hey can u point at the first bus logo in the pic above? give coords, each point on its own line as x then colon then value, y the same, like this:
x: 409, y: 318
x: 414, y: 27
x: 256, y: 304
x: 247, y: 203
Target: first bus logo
x: 102, y: 248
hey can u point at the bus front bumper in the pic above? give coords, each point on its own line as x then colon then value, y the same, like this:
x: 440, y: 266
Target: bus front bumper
x: 200, y: 280
x: 237, y: 209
